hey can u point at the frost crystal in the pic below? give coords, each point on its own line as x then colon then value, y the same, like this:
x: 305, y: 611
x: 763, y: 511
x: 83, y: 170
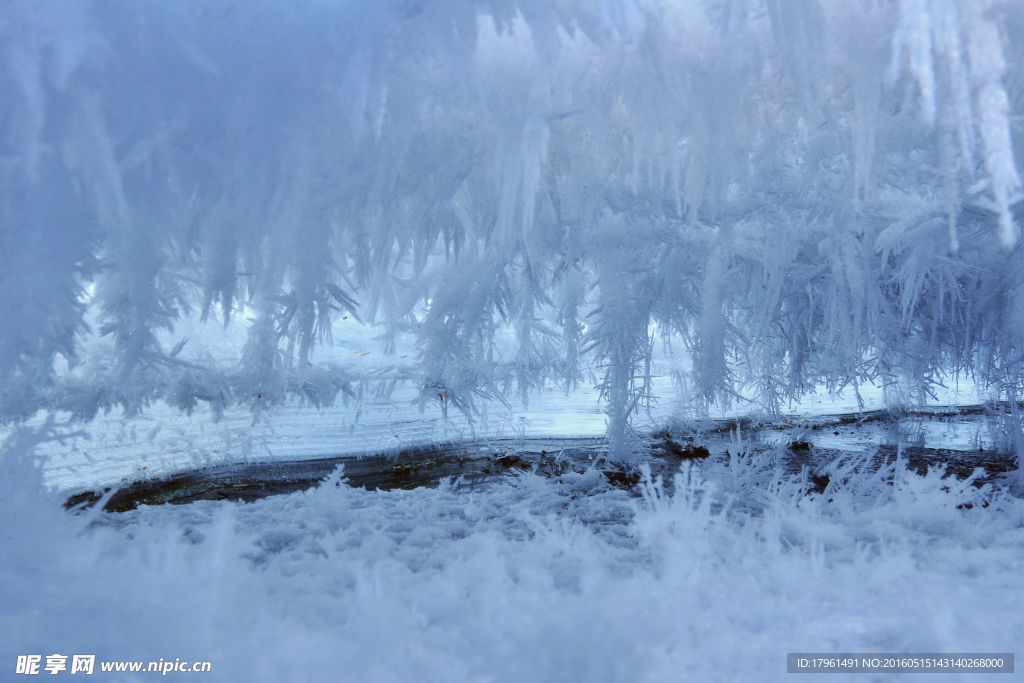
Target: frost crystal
x: 794, y: 192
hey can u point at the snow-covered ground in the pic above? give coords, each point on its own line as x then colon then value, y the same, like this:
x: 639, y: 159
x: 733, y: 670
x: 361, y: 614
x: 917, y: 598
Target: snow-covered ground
x: 526, y: 579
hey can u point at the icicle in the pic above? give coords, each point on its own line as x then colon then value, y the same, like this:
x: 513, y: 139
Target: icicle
x: 913, y: 37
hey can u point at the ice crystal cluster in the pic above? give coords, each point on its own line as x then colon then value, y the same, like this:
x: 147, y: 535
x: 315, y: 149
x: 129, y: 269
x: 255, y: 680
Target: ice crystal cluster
x: 796, y: 191
x: 757, y: 197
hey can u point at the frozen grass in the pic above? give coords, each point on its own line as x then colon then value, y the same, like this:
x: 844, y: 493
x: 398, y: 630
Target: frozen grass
x: 529, y: 579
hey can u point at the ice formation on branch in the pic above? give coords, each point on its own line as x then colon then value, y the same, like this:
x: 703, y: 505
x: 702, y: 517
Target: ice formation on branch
x: 804, y: 191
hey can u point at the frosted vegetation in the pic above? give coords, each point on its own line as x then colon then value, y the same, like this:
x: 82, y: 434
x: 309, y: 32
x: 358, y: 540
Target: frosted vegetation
x: 798, y: 192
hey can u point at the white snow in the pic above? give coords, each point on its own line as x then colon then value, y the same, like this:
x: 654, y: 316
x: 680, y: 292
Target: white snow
x: 533, y: 579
